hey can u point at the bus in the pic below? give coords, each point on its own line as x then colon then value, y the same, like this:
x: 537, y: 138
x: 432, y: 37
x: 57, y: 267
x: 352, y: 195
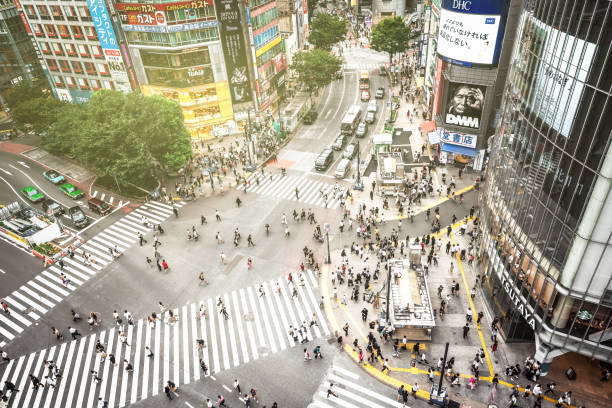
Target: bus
x: 364, y: 80
x: 350, y: 120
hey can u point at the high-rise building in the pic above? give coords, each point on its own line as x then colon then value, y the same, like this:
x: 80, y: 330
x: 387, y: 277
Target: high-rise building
x: 268, y: 48
x: 547, y: 207
x: 18, y: 59
x: 176, y: 51
x: 78, y: 46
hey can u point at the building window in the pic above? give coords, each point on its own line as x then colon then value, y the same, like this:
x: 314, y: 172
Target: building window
x: 57, y: 48
x: 52, y: 65
x: 76, y: 67
x: 76, y: 32
x: 96, y: 50
x: 103, y: 70
x: 90, y: 68
x: 64, y: 66
x: 108, y: 85
x: 57, y: 13
x: 29, y: 10
x: 37, y: 30
x: 91, y: 33
x: 69, y: 49
x: 95, y: 84
x: 44, y: 47
x: 70, y: 82
x: 63, y: 31
x: 84, y: 13
x: 50, y: 31
x: 70, y: 13
x: 43, y: 12
x: 83, y: 83
x: 58, y: 80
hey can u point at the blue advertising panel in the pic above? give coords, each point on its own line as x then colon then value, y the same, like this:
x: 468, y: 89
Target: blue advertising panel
x: 471, y: 31
x: 103, y: 25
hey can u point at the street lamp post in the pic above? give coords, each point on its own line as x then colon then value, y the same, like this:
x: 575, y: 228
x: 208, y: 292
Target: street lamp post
x: 326, y: 226
x: 358, y: 185
x: 388, y: 291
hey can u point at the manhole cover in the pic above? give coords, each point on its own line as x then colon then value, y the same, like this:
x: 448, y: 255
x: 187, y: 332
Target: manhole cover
x: 249, y: 317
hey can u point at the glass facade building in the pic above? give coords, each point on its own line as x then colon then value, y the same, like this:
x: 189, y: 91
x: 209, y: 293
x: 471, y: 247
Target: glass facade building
x: 546, y: 208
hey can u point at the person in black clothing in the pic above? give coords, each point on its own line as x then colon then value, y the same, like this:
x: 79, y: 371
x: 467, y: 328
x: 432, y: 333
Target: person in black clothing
x: 10, y: 387
x: 168, y: 393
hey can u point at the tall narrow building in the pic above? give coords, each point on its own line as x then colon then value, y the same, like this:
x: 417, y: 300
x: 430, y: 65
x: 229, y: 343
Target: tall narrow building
x: 547, y: 205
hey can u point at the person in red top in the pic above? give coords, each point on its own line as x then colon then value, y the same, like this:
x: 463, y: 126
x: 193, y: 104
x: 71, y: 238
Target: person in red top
x: 5, y: 307
x: 165, y: 266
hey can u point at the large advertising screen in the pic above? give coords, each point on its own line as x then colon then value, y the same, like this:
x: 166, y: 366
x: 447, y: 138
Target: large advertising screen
x: 234, y: 50
x: 549, y: 71
x: 470, y: 31
x: 464, y: 105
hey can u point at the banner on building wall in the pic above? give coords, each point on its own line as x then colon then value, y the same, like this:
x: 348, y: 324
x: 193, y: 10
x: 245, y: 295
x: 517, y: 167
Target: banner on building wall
x: 109, y: 43
x: 306, y: 25
x: 457, y: 138
x: 464, y: 104
x: 234, y: 50
x: 152, y: 8
x: 175, y: 28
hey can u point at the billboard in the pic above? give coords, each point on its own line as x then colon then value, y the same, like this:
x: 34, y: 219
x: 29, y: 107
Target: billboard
x: 234, y: 50
x: 459, y: 139
x: 109, y: 44
x: 464, y: 105
x: 471, y: 31
x: 551, y: 86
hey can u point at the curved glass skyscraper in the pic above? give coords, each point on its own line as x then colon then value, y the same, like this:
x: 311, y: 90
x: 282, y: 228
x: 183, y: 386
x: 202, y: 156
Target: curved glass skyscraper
x: 547, y: 205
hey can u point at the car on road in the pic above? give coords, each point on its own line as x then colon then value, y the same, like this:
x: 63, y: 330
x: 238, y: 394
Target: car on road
x: 380, y: 93
x: 372, y: 106
x: 382, y: 70
x: 339, y: 142
x: 98, y: 206
x: 310, y: 117
x: 362, y: 129
x: 32, y: 194
x: 350, y: 151
x: 343, y: 168
x: 370, y: 117
x: 53, y: 176
x: 323, y: 161
x: 50, y: 207
x: 78, y: 217
x: 71, y: 191
x: 365, y: 96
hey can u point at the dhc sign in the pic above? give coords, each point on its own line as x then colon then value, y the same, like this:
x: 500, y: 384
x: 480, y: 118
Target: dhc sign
x: 465, y: 5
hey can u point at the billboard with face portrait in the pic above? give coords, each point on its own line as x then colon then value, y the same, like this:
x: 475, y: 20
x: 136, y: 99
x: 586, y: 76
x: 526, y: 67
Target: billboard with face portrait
x: 464, y: 105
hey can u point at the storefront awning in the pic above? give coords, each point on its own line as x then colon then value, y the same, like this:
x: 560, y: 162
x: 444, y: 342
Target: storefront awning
x: 427, y: 127
x: 462, y: 150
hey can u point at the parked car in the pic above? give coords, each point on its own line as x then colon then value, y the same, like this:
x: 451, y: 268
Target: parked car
x: 370, y: 117
x: 98, y: 206
x: 323, y: 161
x: 53, y: 176
x: 78, y: 217
x: 362, y: 129
x: 310, y: 117
x: 50, y: 207
x: 350, y: 151
x: 380, y: 93
x: 32, y: 194
x: 365, y: 96
x: 339, y: 142
x: 71, y: 191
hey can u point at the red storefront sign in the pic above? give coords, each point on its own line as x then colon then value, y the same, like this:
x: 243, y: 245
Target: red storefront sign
x: 152, y: 8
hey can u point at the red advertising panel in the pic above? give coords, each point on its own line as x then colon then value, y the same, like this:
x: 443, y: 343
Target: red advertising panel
x: 152, y: 8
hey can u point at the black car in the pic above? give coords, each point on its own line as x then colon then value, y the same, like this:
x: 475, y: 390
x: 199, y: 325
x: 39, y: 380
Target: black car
x: 380, y: 93
x: 323, y: 161
x: 310, y: 117
x: 50, y: 207
x: 78, y: 217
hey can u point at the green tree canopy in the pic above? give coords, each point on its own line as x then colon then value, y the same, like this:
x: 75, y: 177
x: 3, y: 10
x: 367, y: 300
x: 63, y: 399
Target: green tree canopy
x: 32, y: 107
x: 391, y: 35
x: 316, y: 68
x: 326, y: 30
x: 123, y: 136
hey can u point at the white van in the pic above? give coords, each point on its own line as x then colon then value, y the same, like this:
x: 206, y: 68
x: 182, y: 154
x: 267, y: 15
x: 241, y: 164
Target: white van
x: 343, y: 168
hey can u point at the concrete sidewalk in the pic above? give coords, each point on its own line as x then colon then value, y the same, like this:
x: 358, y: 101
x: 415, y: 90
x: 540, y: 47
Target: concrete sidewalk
x: 448, y: 329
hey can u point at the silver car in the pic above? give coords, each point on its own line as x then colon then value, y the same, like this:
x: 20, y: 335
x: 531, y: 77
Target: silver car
x: 350, y: 151
x: 370, y: 117
x: 362, y: 129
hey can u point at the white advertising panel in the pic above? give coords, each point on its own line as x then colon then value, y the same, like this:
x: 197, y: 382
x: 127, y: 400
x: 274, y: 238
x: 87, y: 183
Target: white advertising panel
x: 554, y: 90
x: 468, y: 37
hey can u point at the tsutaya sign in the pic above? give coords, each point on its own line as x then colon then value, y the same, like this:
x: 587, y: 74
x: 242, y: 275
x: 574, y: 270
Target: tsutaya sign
x: 518, y: 303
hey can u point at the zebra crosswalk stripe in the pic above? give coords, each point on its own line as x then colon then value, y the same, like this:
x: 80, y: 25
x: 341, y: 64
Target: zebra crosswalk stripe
x: 263, y: 322
x: 45, y: 290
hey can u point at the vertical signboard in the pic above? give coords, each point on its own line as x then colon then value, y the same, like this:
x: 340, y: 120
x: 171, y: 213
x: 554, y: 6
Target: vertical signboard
x: 109, y: 44
x: 234, y: 50
x: 306, y: 25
